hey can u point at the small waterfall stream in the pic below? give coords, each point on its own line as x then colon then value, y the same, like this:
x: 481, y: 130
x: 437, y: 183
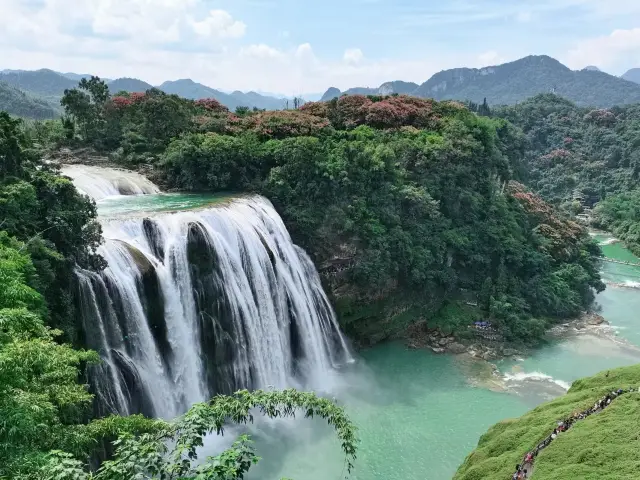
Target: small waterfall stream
x: 200, y: 302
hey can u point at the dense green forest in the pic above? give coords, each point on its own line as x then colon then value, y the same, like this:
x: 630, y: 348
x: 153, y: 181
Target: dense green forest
x: 47, y: 430
x: 572, y: 150
x: 620, y: 214
x: 21, y: 104
x: 407, y: 206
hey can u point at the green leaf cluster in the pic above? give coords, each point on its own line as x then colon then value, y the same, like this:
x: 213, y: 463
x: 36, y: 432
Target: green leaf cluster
x: 171, y: 453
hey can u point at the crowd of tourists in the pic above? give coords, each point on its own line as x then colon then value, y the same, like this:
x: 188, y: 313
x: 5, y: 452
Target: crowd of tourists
x: 523, y: 470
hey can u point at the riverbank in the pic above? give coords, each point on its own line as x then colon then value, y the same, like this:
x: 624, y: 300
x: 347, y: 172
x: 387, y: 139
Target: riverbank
x: 484, y: 344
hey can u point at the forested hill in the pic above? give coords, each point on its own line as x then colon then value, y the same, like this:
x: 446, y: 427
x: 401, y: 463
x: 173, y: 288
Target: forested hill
x: 49, y: 86
x: 129, y: 85
x: 632, y: 75
x: 577, y: 155
x: 405, y: 196
x: 389, y: 88
x: 20, y: 104
x: 44, y: 82
x: 578, y: 158
x: 517, y: 81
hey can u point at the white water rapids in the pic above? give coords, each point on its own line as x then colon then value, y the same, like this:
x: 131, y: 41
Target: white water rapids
x: 201, y: 302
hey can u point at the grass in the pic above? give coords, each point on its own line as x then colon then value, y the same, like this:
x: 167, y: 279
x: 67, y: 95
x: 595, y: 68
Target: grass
x: 605, y: 446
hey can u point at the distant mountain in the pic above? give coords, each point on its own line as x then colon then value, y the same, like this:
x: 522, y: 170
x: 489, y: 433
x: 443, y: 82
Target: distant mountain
x: 515, y: 81
x: 330, y: 94
x: 253, y: 99
x: 592, y: 68
x: 45, y: 83
x: 187, y: 88
x: 388, y: 88
x: 632, y: 75
x: 128, y: 85
x: 79, y: 76
x: 20, y: 104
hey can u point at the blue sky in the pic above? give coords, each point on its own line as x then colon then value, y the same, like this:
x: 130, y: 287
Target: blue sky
x: 294, y: 46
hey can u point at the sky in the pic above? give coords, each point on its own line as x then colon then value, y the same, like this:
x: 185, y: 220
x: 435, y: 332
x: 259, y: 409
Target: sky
x: 302, y: 46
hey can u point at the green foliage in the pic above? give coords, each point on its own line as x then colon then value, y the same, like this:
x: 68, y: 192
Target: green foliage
x: 392, y: 196
x: 603, y: 446
x: 44, y: 211
x: 620, y: 214
x: 39, y: 393
x: 397, y: 212
x: 21, y: 104
x: 577, y: 153
x: 172, y: 451
x: 86, y: 105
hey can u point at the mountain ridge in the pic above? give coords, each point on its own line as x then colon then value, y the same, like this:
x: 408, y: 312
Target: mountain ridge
x: 50, y: 85
x: 513, y: 82
x: 632, y: 75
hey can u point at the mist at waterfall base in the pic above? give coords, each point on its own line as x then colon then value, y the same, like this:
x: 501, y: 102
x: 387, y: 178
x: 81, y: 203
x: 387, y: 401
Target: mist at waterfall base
x: 418, y: 413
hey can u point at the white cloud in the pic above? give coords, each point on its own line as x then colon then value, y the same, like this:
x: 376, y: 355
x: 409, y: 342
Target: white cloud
x: 353, y: 56
x: 490, y: 58
x: 619, y: 47
x: 304, y: 51
x: 261, y: 51
x: 56, y: 23
x: 219, y: 24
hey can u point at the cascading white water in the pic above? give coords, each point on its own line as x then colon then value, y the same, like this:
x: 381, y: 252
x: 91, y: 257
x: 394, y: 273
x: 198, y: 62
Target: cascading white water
x: 202, y: 302
x: 99, y: 182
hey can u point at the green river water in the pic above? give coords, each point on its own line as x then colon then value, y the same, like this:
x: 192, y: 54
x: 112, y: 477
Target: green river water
x: 418, y: 413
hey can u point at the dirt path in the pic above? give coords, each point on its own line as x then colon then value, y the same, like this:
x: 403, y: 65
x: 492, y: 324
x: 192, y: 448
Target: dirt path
x: 598, y: 407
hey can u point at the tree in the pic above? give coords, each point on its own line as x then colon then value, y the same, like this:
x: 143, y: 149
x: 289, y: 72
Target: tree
x: 86, y: 105
x: 171, y: 453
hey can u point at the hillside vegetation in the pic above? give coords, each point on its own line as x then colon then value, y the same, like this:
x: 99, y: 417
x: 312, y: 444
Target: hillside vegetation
x: 604, y: 446
x: 48, y: 429
x: 620, y: 215
x: 20, y: 104
x: 46, y: 87
x: 392, y: 196
x: 573, y: 152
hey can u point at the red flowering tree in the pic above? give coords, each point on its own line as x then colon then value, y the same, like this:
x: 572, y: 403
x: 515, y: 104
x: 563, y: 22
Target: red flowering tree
x: 127, y: 100
x: 601, y: 117
x: 285, y: 123
x: 352, y: 110
x: 558, y: 232
x: 557, y: 154
x: 211, y: 105
x: 318, y: 109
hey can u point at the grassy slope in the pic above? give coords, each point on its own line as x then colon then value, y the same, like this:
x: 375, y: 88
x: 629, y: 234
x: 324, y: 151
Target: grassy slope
x: 605, y: 446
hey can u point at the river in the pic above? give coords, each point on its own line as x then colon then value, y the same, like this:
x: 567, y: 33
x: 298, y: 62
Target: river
x: 419, y: 414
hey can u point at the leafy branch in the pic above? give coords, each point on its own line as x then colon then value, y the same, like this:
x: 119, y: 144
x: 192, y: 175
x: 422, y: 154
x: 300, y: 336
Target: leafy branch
x: 170, y: 454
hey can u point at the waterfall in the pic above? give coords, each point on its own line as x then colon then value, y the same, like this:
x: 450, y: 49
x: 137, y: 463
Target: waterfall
x: 100, y: 183
x: 201, y: 302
